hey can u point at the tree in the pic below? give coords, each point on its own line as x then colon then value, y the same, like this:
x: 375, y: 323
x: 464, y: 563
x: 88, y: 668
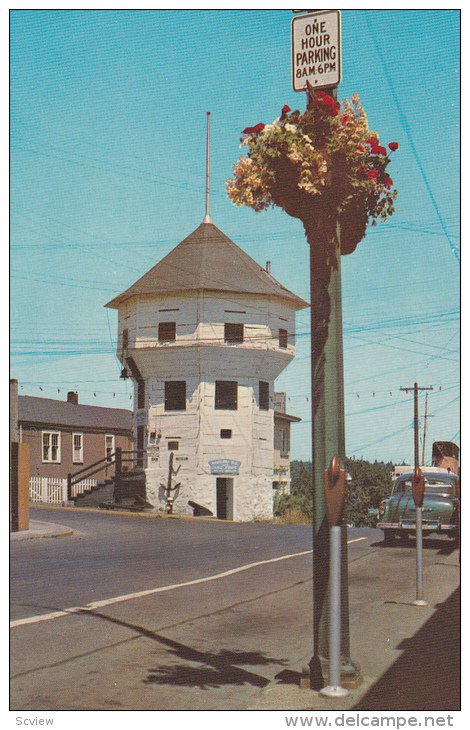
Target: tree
x: 370, y: 483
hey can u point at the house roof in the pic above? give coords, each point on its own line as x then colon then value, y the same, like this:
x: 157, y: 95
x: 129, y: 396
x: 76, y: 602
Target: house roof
x: 50, y: 412
x: 208, y: 259
x: 281, y: 416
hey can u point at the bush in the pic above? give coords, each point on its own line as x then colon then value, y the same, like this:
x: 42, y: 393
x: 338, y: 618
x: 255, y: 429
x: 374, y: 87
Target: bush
x: 371, y: 482
x: 293, y: 503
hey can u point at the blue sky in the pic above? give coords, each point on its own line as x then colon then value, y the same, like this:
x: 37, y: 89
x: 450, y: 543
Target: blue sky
x: 107, y: 175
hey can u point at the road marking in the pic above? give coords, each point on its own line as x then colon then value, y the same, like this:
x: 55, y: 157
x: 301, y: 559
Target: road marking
x: 152, y: 591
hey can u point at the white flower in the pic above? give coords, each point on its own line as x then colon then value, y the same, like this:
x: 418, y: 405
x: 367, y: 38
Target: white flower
x: 290, y: 128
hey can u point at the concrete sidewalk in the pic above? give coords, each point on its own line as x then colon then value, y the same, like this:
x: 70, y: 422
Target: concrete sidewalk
x: 41, y: 529
x: 409, y: 655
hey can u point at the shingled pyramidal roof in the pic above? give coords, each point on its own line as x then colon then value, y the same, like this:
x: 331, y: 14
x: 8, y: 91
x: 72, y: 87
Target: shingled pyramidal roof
x: 208, y: 259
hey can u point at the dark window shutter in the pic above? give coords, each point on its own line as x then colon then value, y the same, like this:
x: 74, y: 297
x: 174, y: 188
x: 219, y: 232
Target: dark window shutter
x: 233, y: 333
x: 226, y: 395
x: 125, y: 339
x: 167, y: 331
x: 175, y: 395
x: 263, y: 396
x: 141, y: 394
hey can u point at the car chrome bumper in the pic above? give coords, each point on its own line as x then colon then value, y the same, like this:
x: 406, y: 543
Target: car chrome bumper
x: 411, y: 526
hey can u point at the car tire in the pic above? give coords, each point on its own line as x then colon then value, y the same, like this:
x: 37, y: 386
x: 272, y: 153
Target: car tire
x: 389, y: 537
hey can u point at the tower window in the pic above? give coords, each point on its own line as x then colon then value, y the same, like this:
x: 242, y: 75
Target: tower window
x: 166, y: 331
x: 226, y: 395
x: 263, y: 396
x: 282, y: 338
x: 233, y: 333
x: 173, y: 445
x: 225, y: 433
x: 175, y: 395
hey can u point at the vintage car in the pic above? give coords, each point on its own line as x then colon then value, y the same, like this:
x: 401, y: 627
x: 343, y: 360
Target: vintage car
x: 397, y: 514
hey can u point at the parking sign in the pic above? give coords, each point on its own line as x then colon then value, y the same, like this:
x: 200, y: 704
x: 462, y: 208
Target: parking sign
x: 316, y: 50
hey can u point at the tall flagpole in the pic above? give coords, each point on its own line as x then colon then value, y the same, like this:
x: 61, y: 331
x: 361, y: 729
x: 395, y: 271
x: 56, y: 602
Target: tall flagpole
x: 207, y: 217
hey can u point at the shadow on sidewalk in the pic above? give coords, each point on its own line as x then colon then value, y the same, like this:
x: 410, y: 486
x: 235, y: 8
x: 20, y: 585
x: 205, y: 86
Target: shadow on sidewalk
x: 203, y: 669
x: 427, y: 674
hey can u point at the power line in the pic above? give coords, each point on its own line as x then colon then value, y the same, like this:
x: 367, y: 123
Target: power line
x: 407, y: 128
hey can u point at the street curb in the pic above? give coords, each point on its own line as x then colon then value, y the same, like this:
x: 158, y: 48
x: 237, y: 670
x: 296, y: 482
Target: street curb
x: 154, y: 515
x: 39, y: 530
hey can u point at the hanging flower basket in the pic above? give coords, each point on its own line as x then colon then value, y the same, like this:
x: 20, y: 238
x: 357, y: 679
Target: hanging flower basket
x: 324, y: 167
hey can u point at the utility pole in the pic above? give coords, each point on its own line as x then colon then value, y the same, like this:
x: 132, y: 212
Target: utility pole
x: 418, y: 492
x: 415, y: 388
x: 424, y: 429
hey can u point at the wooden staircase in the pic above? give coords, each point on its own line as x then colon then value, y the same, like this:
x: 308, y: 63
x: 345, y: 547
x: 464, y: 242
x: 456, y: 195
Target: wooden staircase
x: 126, y: 490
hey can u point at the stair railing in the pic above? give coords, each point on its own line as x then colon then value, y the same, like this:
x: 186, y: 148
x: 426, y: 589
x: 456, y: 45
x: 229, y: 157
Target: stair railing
x: 115, y: 458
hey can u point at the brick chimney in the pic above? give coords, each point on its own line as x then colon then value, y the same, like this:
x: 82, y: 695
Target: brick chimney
x: 72, y: 397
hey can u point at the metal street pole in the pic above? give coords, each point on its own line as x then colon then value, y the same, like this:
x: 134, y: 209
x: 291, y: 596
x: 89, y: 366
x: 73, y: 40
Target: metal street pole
x: 334, y: 489
x: 328, y: 439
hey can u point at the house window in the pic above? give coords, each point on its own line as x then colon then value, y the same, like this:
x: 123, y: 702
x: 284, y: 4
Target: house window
x: 109, y: 446
x: 51, y: 446
x: 225, y: 433
x: 282, y: 338
x: 233, y: 333
x: 77, y: 455
x: 263, y: 396
x: 175, y: 395
x: 173, y: 445
x: 226, y: 395
x: 167, y: 331
x: 284, y: 441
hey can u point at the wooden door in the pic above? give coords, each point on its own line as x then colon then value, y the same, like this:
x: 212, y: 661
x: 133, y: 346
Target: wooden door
x: 221, y: 498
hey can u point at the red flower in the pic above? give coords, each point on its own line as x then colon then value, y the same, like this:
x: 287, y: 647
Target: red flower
x: 360, y: 148
x: 379, y: 150
x: 254, y: 130
x: 363, y: 170
x: 346, y: 119
x: 389, y: 182
x: 393, y: 146
x: 373, y: 141
x: 372, y: 174
x: 332, y: 106
x: 285, y: 109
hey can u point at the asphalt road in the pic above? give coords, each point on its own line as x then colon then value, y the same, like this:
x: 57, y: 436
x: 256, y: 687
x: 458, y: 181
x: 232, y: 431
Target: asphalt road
x: 111, y: 554
x: 192, y: 641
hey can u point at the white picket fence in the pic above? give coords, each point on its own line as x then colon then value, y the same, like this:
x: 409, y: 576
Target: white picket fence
x: 53, y: 490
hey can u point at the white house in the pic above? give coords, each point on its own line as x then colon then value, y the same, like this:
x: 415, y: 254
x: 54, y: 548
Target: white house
x: 204, y: 334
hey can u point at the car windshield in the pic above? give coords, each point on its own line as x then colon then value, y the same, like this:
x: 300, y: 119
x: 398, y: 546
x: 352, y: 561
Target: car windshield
x: 439, y: 485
